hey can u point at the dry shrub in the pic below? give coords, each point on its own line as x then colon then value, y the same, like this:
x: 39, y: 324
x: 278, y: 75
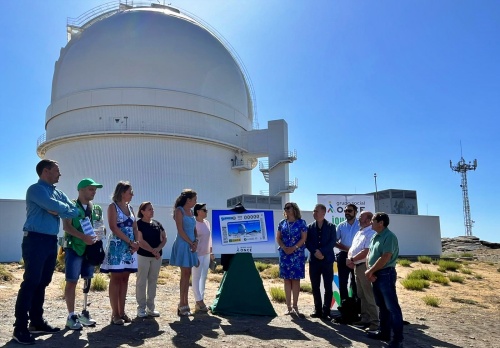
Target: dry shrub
x: 272, y: 272
x: 164, y: 274
x: 214, y: 278
x: 99, y: 282
x: 5, y: 274
x: 432, y: 301
x: 278, y: 294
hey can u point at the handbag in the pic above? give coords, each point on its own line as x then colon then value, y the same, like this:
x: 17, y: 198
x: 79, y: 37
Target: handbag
x: 212, y: 265
x: 95, y: 253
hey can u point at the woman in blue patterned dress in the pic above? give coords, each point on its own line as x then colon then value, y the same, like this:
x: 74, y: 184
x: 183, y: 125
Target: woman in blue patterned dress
x: 291, y: 238
x: 184, y: 248
x: 121, y: 256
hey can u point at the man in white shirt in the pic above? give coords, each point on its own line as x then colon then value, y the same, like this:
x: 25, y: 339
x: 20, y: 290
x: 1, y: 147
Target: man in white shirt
x: 356, y: 259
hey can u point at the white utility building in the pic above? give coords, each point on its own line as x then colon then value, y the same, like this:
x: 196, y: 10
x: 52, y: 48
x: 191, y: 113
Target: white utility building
x: 152, y: 96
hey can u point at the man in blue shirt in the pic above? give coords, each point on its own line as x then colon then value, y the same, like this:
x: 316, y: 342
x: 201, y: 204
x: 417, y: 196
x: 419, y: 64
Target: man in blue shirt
x: 45, y: 205
x: 346, y: 231
x: 382, y: 256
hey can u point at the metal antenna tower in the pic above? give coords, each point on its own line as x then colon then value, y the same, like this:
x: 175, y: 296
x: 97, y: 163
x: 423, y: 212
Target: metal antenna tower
x: 462, y: 168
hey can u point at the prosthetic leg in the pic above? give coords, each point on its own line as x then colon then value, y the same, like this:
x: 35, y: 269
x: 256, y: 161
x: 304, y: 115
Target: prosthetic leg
x: 84, y: 318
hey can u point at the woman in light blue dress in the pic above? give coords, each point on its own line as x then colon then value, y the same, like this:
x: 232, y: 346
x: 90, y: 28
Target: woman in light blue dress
x: 184, y: 248
x: 121, y: 256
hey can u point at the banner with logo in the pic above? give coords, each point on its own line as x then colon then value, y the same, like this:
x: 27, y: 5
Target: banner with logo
x: 335, y: 205
x: 248, y: 232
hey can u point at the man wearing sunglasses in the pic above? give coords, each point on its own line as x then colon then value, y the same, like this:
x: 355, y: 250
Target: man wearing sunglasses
x: 345, y: 235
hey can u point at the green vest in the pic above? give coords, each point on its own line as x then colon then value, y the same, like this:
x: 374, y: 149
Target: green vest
x: 75, y: 243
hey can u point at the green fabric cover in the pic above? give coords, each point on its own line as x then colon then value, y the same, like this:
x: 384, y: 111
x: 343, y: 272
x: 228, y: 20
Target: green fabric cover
x: 77, y: 244
x: 241, y: 291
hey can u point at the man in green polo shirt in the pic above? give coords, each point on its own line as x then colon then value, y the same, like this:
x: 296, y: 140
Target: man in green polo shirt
x: 381, y: 263
x: 79, y: 232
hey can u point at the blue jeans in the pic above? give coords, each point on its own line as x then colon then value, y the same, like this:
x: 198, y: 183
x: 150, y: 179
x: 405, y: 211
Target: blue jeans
x: 39, y: 254
x: 76, y: 265
x: 390, y: 315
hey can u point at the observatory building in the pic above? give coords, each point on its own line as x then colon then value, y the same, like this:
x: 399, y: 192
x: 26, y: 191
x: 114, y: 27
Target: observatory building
x: 151, y: 95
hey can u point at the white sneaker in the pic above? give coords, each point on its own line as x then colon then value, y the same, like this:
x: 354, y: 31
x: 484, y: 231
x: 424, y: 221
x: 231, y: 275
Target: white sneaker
x: 85, y: 319
x: 73, y: 323
x: 141, y: 313
x: 153, y: 313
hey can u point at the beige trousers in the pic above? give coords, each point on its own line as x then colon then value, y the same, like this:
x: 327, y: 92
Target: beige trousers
x: 369, y: 310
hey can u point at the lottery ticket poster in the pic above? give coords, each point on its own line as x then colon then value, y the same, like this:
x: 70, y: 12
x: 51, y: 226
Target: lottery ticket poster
x: 248, y: 232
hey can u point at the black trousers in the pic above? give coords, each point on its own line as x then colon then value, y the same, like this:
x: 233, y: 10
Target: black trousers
x: 344, y: 274
x: 317, y: 269
x: 39, y: 254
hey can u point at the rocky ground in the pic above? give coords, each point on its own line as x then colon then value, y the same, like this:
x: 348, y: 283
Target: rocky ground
x: 466, y: 317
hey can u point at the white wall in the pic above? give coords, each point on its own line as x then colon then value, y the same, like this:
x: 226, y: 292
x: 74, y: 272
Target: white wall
x: 418, y: 235
x: 12, y: 218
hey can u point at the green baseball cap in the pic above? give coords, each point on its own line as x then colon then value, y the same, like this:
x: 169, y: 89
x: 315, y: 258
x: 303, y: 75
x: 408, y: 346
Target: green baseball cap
x: 88, y: 182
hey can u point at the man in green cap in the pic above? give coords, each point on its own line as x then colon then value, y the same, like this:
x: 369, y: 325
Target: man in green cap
x: 80, y: 233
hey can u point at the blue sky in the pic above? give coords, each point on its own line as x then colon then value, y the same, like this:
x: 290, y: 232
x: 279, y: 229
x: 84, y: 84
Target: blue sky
x: 389, y: 87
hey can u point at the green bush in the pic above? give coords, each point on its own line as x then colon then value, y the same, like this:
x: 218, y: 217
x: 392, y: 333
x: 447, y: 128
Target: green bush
x: 261, y: 266
x: 404, y: 262
x: 415, y: 284
x: 439, y: 278
x: 99, y: 283
x: 431, y: 301
x: 424, y: 259
x: 420, y: 274
x: 478, y: 276
x: 449, y: 265
x: 456, y: 278
x: 467, y: 255
x: 278, y: 294
x: 306, y: 287
x: 5, y: 274
x: 466, y: 270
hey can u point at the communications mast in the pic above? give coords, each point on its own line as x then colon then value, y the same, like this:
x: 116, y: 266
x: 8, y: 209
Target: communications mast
x: 462, y: 168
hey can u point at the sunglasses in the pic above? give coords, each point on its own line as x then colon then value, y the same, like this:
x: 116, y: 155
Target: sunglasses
x: 287, y: 207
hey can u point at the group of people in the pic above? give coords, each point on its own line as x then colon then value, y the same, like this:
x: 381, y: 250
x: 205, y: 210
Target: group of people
x: 367, y: 255
x: 134, y: 245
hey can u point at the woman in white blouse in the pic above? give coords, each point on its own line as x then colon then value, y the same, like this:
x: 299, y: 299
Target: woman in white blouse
x: 204, y: 251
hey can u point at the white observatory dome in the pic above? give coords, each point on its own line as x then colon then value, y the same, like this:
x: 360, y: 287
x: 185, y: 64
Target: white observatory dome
x: 154, y: 49
x: 150, y: 96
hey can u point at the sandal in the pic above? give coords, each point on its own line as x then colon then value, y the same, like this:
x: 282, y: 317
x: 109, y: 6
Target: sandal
x: 183, y: 311
x: 116, y: 320
x: 289, y: 311
x: 297, y: 313
x: 201, y: 307
x: 126, y: 319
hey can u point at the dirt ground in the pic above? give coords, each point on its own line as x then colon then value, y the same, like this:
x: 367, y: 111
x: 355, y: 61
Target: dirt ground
x: 452, y: 324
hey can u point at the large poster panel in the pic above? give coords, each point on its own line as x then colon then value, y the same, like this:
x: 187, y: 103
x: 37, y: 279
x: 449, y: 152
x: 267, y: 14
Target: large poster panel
x: 335, y: 205
x: 248, y: 232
